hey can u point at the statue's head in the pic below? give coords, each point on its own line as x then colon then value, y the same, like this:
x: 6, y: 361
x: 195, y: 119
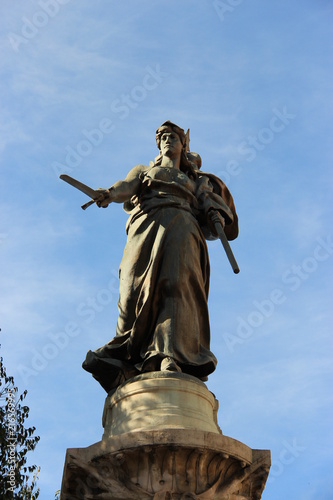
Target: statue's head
x: 186, y: 165
x: 170, y: 127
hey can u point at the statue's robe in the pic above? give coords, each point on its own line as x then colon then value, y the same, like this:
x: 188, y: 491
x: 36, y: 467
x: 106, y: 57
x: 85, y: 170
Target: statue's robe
x: 164, y: 278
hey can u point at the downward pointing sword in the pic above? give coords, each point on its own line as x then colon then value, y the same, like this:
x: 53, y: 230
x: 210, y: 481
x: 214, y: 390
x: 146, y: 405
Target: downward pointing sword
x: 92, y: 193
x: 221, y: 234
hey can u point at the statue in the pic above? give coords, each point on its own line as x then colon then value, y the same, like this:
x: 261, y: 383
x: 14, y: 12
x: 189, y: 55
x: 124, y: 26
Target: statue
x: 173, y: 208
x: 161, y: 435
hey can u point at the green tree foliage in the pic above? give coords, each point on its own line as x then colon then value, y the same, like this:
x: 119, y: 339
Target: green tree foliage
x: 18, y: 481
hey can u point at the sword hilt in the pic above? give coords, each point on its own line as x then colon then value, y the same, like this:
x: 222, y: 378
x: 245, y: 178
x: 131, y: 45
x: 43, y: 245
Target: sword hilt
x: 91, y: 202
x: 86, y: 205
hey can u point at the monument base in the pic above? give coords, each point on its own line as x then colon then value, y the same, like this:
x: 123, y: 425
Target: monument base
x: 161, y: 441
x: 159, y: 401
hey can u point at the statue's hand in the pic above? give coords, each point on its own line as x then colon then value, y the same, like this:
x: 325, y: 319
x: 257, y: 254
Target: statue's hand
x: 104, y: 199
x: 216, y: 217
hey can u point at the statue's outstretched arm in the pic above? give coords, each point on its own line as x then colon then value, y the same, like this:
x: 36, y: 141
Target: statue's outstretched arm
x: 123, y: 191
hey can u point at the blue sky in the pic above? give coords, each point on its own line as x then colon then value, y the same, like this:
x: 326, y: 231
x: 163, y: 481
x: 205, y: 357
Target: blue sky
x: 84, y: 85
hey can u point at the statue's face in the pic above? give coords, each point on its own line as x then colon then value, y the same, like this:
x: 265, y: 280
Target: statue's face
x: 170, y: 144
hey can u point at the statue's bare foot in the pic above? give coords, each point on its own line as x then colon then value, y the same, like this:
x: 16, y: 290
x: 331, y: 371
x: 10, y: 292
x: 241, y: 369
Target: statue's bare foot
x: 169, y: 365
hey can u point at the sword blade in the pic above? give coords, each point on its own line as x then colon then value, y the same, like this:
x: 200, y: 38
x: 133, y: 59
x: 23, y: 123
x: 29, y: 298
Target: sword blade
x: 81, y: 187
x: 227, y: 248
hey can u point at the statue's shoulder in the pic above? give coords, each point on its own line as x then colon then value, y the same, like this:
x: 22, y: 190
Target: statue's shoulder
x: 137, y: 172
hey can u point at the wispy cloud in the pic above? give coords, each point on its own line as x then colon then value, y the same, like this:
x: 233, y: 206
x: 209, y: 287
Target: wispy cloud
x: 59, y: 264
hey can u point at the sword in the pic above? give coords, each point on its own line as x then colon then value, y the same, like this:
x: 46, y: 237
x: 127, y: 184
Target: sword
x: 92, y: 193
x: 221, y: 234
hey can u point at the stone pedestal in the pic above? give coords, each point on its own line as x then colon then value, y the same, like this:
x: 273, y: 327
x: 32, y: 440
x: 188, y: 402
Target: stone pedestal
x: 161, y: 441
x: 160, y: 401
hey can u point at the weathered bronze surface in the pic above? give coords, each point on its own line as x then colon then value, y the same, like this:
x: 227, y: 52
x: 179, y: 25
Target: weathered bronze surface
x: 164, y: 274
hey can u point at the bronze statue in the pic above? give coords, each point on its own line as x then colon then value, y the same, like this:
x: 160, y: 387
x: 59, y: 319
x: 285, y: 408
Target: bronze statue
x: 164, y: 274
